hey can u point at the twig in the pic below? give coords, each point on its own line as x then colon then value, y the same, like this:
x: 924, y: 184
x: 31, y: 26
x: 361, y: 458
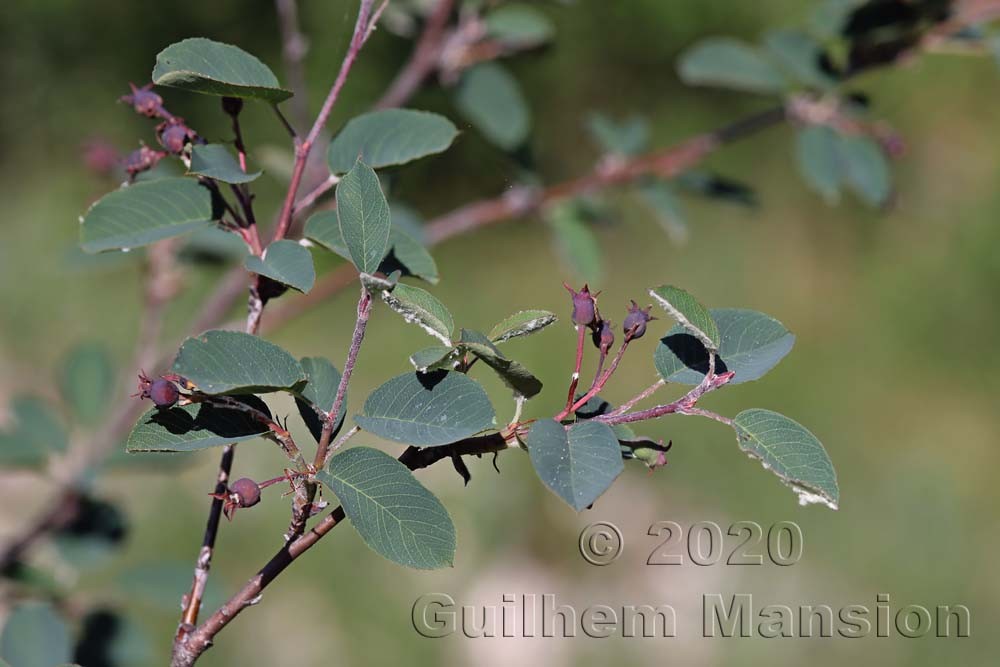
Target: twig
x: 364, y: 311
x: 644, y: 394
x: 362, y: 30
x: 192, y: 600
x: 423, y: 61
x: 413, y: 458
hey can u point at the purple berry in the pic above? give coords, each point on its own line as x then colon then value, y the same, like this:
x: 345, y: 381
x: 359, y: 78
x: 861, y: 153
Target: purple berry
x: 144, y: 100
x: 163, y: 393
x: 174, y: 135
x: 246, y: 492
x: 603, y: 336
x: 636, y: 320
x: 584, y: 306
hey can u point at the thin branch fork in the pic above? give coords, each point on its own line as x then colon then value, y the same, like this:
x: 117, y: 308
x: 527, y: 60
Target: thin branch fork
x: 362, y: 30
x: 414, y: 458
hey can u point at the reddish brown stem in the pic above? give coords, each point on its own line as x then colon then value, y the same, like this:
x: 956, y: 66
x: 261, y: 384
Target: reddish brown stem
x: 362, y: 29
x: 575, y: 378
x: 423, y: 61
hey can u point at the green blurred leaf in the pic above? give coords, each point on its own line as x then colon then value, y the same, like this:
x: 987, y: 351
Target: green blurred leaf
x: 519, y: 25
x: 491, y: 99
x: 517, y: 378
x: 395, y: 515
x: 86, y: 381
x: 729, y: 63
x: 363, y: 217
x: 576, y: 243
x: 95, y: 533
x: 286, y: 262
x: 389, y: 137
x: 579, y: 464
x: 799, y: 55
x: 212, y: 246
x: 109, y: 639
x: 829, y: 18
x: 420, y: 307
x: 160, y: 584
x: 36, y: 432
x: 791, y: 452
x: 215, y: 161
x: 666, y: 207
x: 427, y: 409
x: 196, y: 426
x: 521, y: 323
x: 202, y: 66
x: 689, y: 313
x: 819, y: 160
x: 35, y: 636
x: 231, y: 362
x: 142, y: 213
x: 751, y: 344
x: 628, y: 137
x: 867, y: 170
x: 317, y: 399
x: 436, y: 357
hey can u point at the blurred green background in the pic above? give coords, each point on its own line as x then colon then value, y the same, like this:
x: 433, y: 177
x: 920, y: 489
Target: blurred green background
x: 893, y: 366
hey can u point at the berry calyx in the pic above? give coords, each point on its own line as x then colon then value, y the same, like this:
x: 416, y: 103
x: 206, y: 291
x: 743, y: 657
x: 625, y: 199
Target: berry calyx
x: 144, y: 100
x: 584, y: 306
x: 142, y: 159
x: 634, y: 325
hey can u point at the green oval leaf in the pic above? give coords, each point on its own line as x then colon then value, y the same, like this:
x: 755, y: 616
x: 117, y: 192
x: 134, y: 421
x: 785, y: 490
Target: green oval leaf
x: 819, y: 161
x: 791, y: 452
x: 752, y: 343
x: 491, y: 99
x: 519, y: 26
x: 216, y: 162
x: 517, y: 378
x: 36, y: 432
x: 405, y: 253
x: 521, y: 323
x: 689, y: 313
x: 866, y: 169
x: 420, y: 307
x: 197, y: 426
x: 730, y: 63
x: 317, y: 398
x: 363, y: 217
x: 389, y: 137
x: 232, y: 362
x: 86, y: 381
x: 576, y: 242
x: 395, y: 515
x: 436, y: 357
x: 144, y: 212
x: 203, y: 66
x: 427, y: 409
x: 798, y: 54
x: 579, y: 464
x: 35, y: 636
x: 286, y: 262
